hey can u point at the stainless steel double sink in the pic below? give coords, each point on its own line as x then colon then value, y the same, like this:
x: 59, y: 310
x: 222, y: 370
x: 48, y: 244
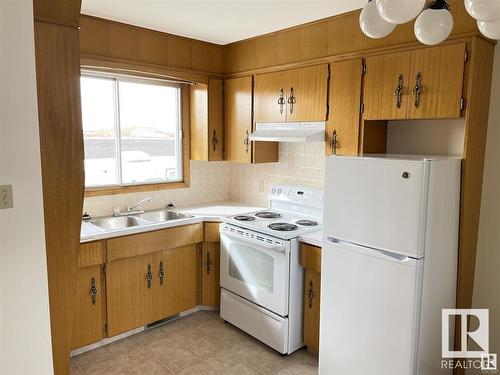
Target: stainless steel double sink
x: 146, y: 218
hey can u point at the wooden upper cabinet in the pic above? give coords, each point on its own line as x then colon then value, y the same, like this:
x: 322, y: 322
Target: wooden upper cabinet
x: 386, y: 86
x: 307, y: 93
x: 206, y: 120
x: 436, y: 82
x: 238, y: 119
x: 342, y: 128
x: 270, y: 97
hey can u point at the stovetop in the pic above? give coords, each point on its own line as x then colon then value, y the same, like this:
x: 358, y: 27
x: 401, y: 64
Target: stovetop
x: 276, y: 223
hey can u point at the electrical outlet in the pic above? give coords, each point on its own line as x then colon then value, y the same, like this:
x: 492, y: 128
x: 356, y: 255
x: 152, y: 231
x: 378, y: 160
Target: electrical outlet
x: 6, y: 199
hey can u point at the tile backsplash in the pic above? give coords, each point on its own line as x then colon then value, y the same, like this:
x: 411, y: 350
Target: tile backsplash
x: 300, y: 164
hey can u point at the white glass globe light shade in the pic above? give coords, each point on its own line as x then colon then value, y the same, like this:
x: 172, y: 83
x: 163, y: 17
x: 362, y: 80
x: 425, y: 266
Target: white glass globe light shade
x: 433, y: 26
x: 490, y: 29
x: 399, y: 11
x: 372, y: 24
x: 483, y: 10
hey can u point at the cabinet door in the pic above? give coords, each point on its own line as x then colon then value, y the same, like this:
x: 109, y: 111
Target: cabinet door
x: 165, y: 273
x: 184, y: 279
x: 306, y: 93
x: 215, y: 120
x: 198, y: 120
x: 345, y: 105
x: 312, y: 289
x: 210, y: 277
x: 238, y: 119
x: 89, y: 317
x: 386, y: 86
x: 129, y: 285
x: 270, y: 97
x: 436, y: 82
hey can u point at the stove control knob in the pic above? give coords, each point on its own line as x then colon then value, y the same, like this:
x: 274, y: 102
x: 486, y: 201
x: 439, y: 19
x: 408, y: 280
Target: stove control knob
x: 273, y: 191
x: 279, y: 191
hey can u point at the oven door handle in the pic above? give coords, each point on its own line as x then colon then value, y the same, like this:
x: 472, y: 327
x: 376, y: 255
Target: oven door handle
x: 262, y: 244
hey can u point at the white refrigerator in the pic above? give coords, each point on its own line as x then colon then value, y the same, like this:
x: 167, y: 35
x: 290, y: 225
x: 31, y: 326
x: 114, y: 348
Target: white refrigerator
x: 389, y: 263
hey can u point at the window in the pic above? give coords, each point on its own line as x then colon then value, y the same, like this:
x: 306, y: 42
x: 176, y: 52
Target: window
x: 132, y: 131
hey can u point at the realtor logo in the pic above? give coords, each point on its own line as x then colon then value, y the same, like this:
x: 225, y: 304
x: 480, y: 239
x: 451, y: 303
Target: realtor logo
x: 477, y: 337
x: 480, y: 335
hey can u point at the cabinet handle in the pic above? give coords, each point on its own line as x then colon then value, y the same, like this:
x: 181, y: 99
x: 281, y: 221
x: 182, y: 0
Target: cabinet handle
x: 161, y: 273
x: 334, y: 143
x: 214, y: 141
x: 399, y: 91
x: 417, y: 91
x: 93, y: 291
x: 149, y: 276
x: 292, y: 100
x: 310, y: 295
x: 246, y: 142
x: 208, y: 263
x: 281, y: 101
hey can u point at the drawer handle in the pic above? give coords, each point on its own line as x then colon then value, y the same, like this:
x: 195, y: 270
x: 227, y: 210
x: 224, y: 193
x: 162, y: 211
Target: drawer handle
x: 281, y: 100
x: 399, y: 91
x: 310, y: 295
x: 246, y: 142
x: 417, y: 91
x: 161, y: 273
x: 93, y: 291
x: 214, y: 141
x: 208, y: 263
x: 149, y: 276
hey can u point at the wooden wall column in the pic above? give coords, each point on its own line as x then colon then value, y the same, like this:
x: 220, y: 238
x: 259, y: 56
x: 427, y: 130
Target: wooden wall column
x: 57, y: 53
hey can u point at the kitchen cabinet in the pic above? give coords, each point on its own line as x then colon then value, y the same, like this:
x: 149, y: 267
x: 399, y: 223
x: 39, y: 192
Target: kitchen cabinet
x: 296, y: 95
x: 210, y: 277
x: 129, y: 285
x: 206, y: 120
x: 343, y: 126
x: 238, y: 125
x: 310, y: 259
x: 420, y: 84
x: 238, y: 119
x: 90, y: 307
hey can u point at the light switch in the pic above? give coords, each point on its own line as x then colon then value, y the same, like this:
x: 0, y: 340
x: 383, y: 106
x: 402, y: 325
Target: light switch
x: 6, y: 199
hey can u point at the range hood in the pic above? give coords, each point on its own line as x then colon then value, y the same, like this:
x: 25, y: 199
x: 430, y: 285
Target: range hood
x: 289, y: 132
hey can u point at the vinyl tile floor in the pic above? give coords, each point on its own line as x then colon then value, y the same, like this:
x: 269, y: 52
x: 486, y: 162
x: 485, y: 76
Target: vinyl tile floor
x: 200, y: 343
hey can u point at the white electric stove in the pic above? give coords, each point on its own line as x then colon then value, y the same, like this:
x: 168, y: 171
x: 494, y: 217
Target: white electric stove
x: 261, y: 278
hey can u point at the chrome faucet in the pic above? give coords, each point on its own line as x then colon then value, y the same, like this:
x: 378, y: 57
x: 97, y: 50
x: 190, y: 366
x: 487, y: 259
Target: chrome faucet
x: 130, y: 209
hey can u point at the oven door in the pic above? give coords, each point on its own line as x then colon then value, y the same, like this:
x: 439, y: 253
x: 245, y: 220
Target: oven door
x: 255, y: 267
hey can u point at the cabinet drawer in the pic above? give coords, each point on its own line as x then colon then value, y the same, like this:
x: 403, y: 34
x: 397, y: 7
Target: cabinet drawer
x: 310, y: 257
x: 91, y: 254
x: 152, y: 242
x: 212, y: 232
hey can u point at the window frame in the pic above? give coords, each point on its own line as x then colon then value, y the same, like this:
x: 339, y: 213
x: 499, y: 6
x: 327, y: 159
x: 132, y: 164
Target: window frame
x: 182, y: 146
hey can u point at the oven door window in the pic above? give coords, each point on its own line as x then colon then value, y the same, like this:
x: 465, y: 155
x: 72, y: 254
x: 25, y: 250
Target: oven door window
x: 252, y: 267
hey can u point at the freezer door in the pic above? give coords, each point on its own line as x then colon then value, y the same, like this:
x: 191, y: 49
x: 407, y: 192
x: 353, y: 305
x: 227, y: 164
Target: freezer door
x: 376, y: 202
x: 369, y: 312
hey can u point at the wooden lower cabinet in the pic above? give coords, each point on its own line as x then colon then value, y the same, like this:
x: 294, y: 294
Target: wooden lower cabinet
x: 90, y: 307
x: 129, y: 283
x: 310, y: 259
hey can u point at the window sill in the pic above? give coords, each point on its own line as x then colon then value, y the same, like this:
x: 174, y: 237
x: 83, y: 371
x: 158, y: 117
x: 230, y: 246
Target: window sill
x: 113, y: 190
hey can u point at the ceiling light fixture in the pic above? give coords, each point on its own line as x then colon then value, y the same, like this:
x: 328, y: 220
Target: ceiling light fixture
x: 489, y: 29
x: 399, y: 11
x: 484, y: 10
x: 372, y: 24
x: 434, y: 24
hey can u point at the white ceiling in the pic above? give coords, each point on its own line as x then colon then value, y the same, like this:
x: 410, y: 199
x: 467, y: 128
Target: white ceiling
x: 218, y: 21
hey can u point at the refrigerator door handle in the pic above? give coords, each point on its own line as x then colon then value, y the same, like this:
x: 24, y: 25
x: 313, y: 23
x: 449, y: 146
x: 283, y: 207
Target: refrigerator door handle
x: 398, y: 257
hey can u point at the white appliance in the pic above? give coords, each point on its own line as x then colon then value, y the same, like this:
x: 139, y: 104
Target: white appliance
x: 389, y: 263
x: 260, y: 275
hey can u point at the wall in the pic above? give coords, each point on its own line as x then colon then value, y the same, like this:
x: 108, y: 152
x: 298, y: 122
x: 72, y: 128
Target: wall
x: 299, y: 164
x: 487, y: 276
x: 435, y: 137
x: 25, y: 343
x: 209, y: 183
